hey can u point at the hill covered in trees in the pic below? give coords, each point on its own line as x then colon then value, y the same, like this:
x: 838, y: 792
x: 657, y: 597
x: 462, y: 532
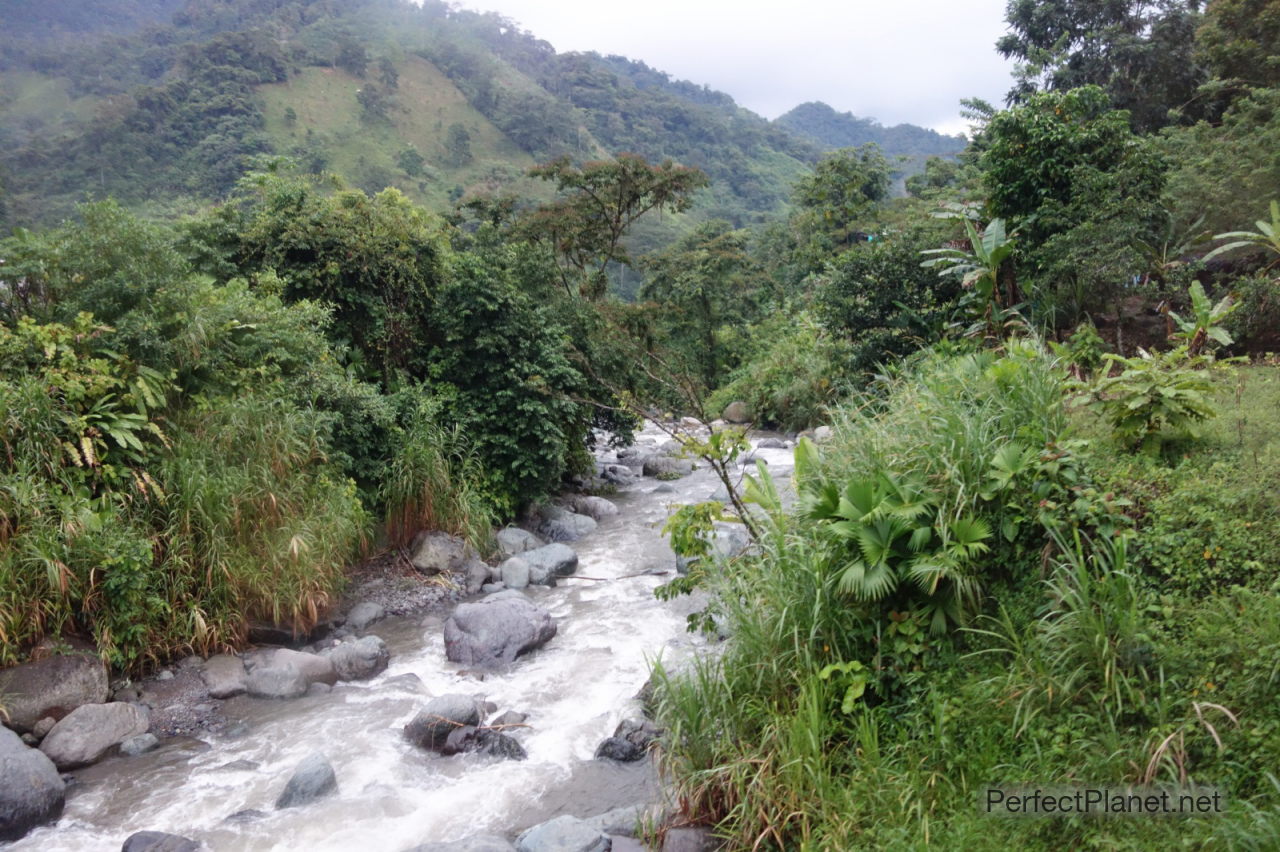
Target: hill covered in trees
x: 164, y: 105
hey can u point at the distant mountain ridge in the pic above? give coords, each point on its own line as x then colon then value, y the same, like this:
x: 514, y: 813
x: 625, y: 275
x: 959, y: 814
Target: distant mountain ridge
x: 165, y: 104
x: 824, y: 126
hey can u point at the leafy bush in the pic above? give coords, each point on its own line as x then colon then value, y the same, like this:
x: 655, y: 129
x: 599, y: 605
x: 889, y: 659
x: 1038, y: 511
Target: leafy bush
x: 791, y: 379
x: 1154, y: 395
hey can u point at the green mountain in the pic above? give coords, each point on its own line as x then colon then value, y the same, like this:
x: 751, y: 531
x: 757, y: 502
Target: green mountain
x: 165, y: 105
x: 827, y: 128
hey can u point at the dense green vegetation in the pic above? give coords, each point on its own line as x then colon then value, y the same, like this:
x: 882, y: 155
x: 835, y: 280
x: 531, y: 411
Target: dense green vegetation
x: 1037, y: 548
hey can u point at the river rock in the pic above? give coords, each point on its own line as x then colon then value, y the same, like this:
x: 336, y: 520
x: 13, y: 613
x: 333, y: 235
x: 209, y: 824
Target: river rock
x: 736, y: 412
x: 516, y: 573
x: 313, y: 778
x: 475, y: 574
x: 823, y: 433
x: 141, y: 744
x: 617, y: 474
x: 549, y: 562
x: 43, y: 727
x: 359, y: 659
x: 493, y: 588
x: 224, y: 675
x: 479, y: 843
x: 596, y: 508
x: 498, y: 744
x: 729, y: 540
x: 562, y: 525
x: 159, y: 841
x: 284, y: 681
x: 667, y: 467
x: 31, y: 790
x: 363, y: 614
x: 511, y: 717
x: 314, y: 667
x: 513, y: 540
x: 53, y: 687
x: 439, y: 552
x: 563, y: 834
x: 85, y: 734
x: 630, y: 740
x: 443, y: 715
x: 496, y: 629
x: 772, y: 444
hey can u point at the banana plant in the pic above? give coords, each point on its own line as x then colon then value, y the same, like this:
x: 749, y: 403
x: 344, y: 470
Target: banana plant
x: 1203, y: 324
x: 979, y: 268
x: 1267, y: 237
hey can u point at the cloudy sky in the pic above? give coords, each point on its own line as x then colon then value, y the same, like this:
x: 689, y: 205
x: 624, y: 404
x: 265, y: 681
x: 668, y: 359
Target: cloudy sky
x: 896, y: 61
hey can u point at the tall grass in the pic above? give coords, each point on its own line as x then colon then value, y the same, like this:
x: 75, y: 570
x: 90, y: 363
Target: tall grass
x: 432, y: 483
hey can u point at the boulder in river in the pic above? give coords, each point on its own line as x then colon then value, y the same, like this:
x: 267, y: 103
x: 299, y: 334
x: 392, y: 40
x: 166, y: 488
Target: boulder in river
x: 359, y: 659
x: 363, y: 614
x: 516, y: 573
x: 562, y: 525
x: 667, y: 467
x: 159, y: 841
x: 475, y: 574
x: 313, y: 778
x: 284, y: 681
x: 443, y: 715
x: 737, y: 412
x: 85, y: 734
x: 617, y: 474
x: 314, y: 667
x: 772, y: 444
x: 224, y: 675
x: 593, y: 507
x: 689, y: 839
x: 141, y: 744
x: 630, y: 740
x: 496, y: 629
x: 513, y: 540
x: 563, y: 834
x: 53, y: 687
x: 547, y: 563
x: 31, y: 790
x: 439, y: 552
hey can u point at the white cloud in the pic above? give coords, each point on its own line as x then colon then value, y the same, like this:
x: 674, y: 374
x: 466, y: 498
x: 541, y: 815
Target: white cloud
x: 904, y: 61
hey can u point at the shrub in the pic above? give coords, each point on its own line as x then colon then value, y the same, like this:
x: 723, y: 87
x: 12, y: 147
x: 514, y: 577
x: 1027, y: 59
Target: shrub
x: 1155, y: 396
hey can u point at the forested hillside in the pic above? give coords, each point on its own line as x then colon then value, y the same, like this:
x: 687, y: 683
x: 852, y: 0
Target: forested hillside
x: 164, y: 105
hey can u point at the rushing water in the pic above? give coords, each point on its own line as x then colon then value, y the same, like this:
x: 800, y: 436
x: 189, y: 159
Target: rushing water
x: 391, y: 795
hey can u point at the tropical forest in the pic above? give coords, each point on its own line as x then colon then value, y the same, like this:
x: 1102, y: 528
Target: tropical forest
x: 416, y: 437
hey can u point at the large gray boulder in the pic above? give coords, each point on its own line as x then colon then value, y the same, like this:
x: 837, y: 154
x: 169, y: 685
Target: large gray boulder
x: 562, y: 525
x: 667, y: 467
x: 31, y: 790
x: 159, y: 841
x: 438, y: 552
x: 737, y: 412
x: 85, y: 734
x: 630, y: 740
x: 496, y: 629
x: 283, y: 681
x: 53, y: 686
x: 563, y: 834
x: 443, y: 715
x: 475, y: 573
x: 547, y: 563
x: 359, y: 659
x: 617, y: 474
x: 315, y: 668
x: 224, y: 675
x: 516, y: 573
x: 593, y: 507
x: 513, y: 540
x: 313, y: 778
x: 479, y: 843
x: 363, y: 614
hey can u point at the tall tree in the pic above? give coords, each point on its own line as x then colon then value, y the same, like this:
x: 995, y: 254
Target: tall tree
x: 598, y: 202
x: 839, y: 197
x: 1140, y: 51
